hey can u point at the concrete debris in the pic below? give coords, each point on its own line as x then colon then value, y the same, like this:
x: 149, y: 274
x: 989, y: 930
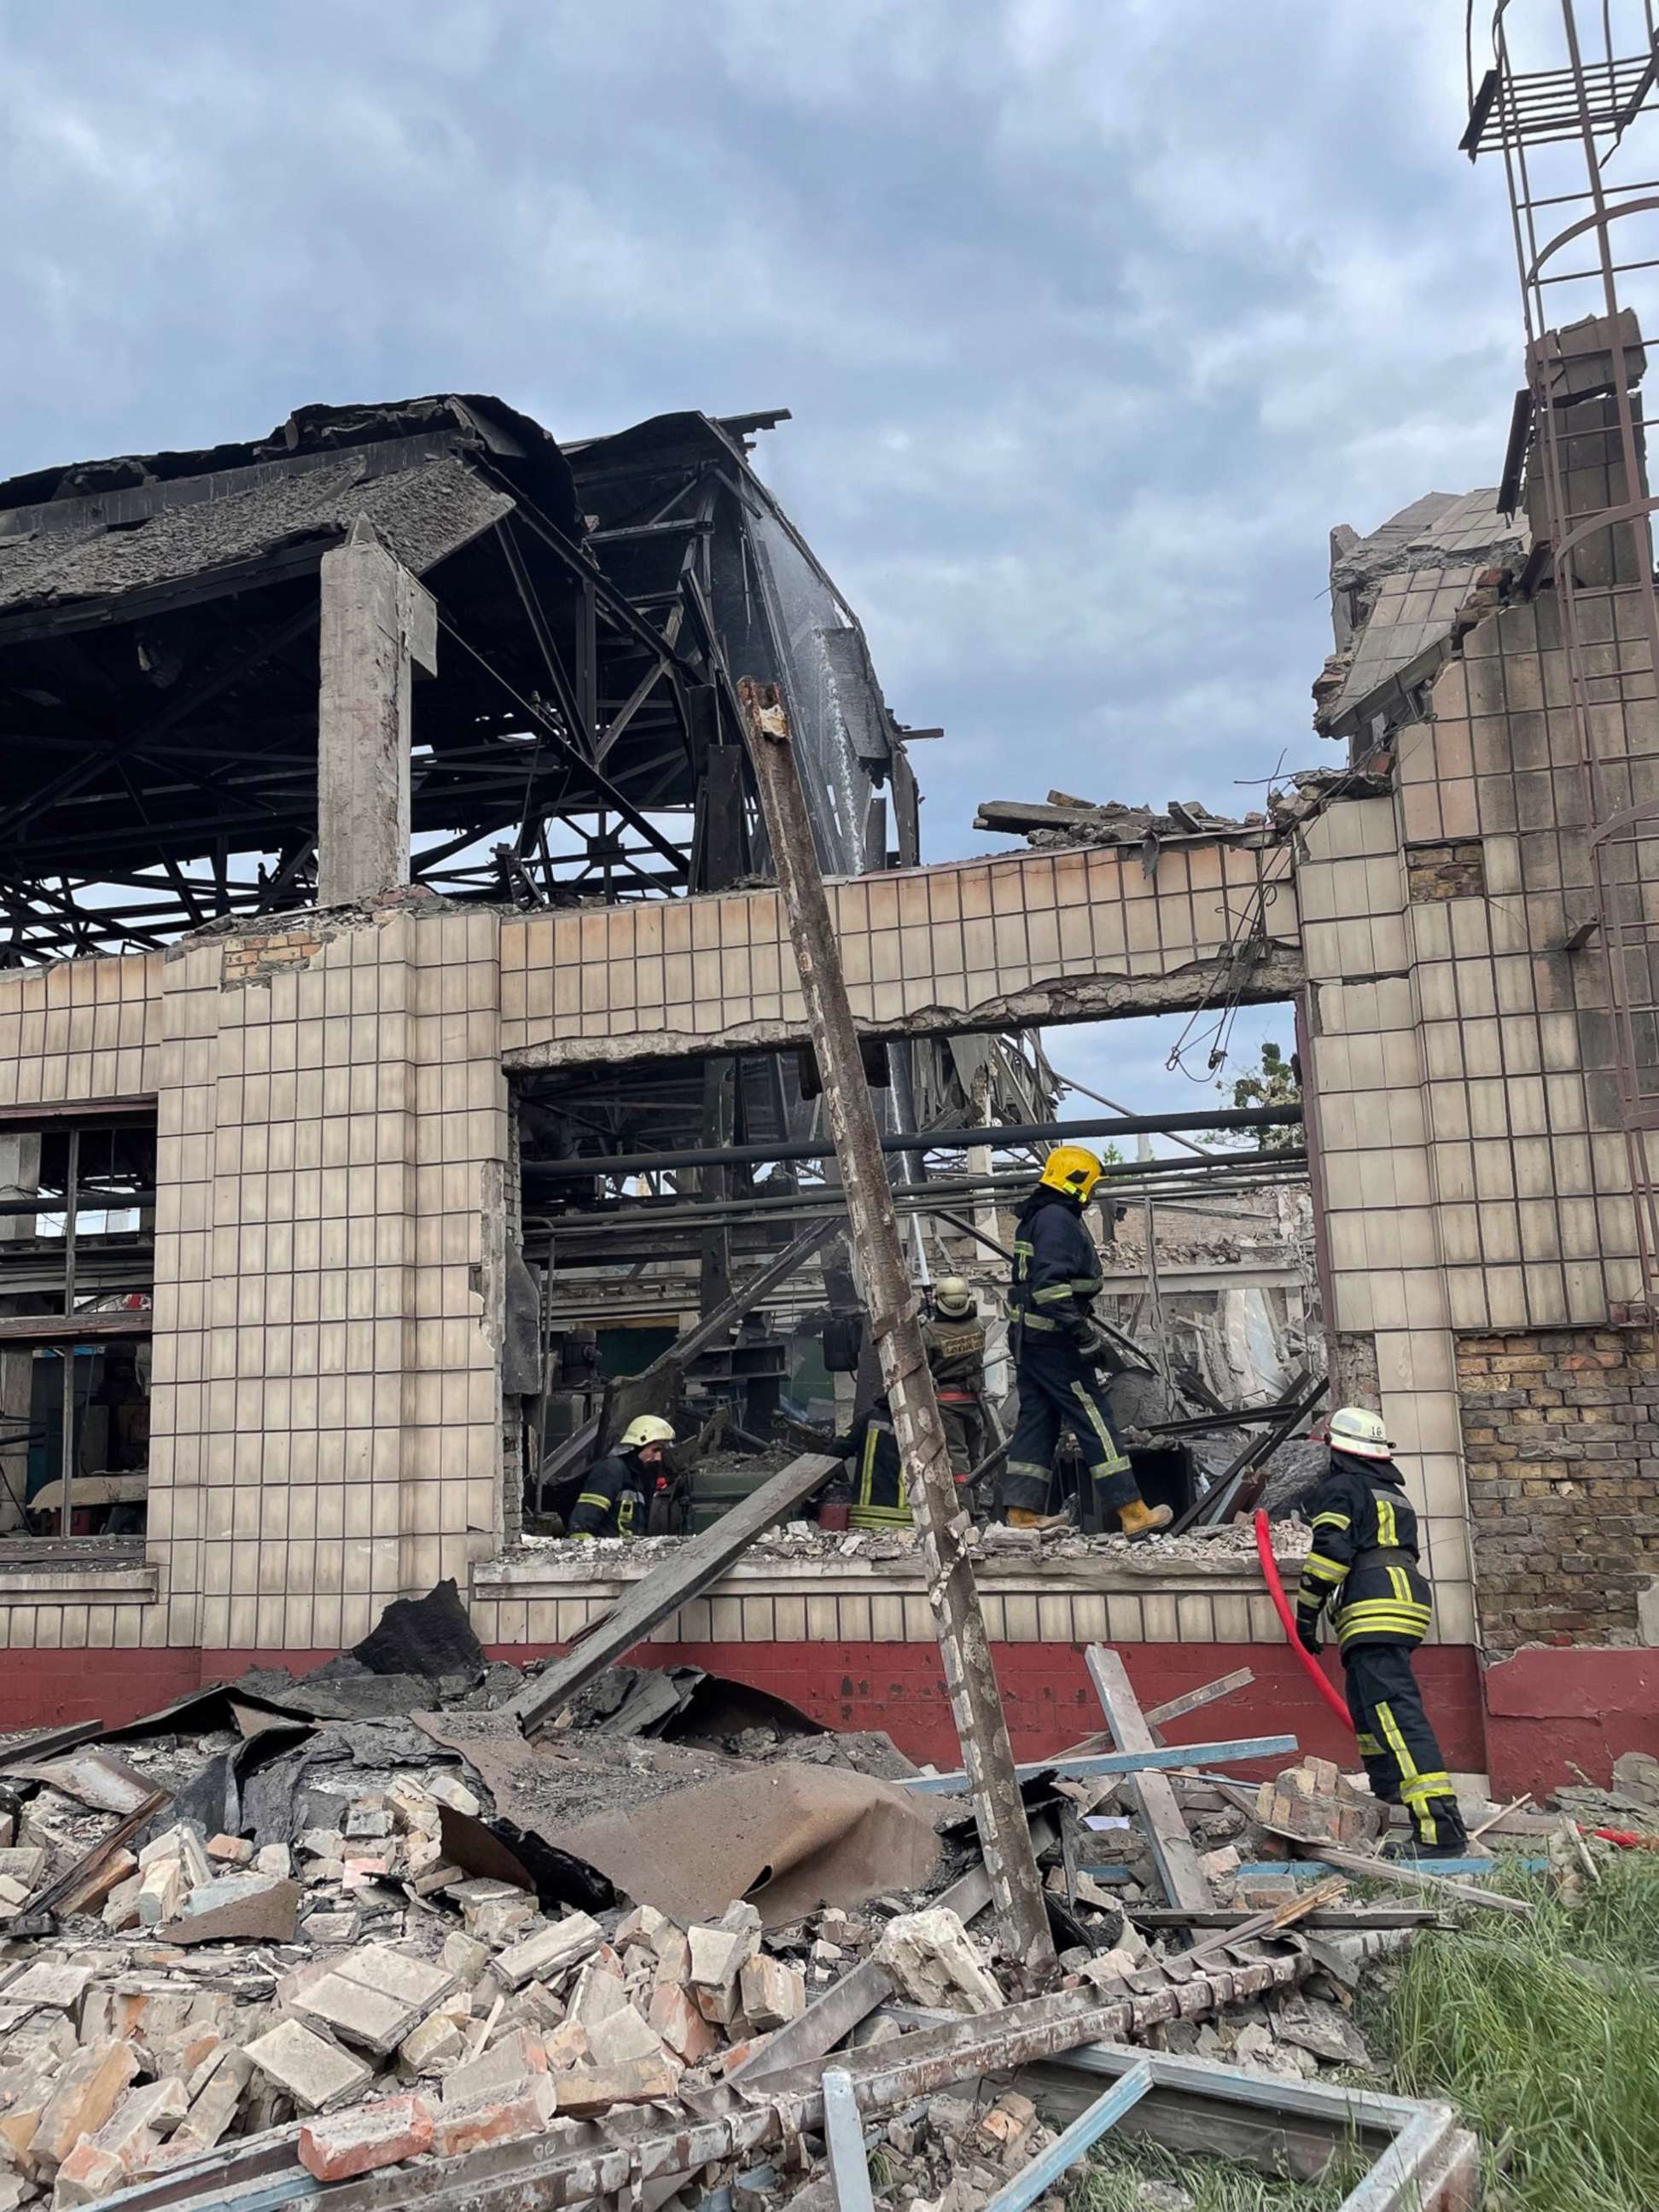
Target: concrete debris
x: 932, y: 1962
x: 348, y: 1963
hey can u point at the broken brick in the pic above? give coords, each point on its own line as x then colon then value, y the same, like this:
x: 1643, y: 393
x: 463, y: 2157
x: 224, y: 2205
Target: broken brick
x: 456, y: 2131
x: 86, y: 2175
x: 382, y: 2134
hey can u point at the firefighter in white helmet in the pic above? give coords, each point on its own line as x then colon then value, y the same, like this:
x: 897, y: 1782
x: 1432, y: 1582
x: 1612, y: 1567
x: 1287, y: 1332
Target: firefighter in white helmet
x: 615, y: 1493
x: 1363, y: 1567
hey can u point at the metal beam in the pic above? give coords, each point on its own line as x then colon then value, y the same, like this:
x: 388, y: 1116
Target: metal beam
x: 969, y: 1678
x: 931, y: 1140
x: 1123, y: 1762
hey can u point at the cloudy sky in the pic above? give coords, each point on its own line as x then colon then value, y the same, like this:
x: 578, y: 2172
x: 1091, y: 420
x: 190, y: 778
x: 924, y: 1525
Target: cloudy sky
x: 1094, y: 315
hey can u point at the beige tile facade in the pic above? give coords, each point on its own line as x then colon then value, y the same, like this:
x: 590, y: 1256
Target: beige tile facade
x: 1081, y: 932
x: 333, y: 1152
x: 325, y: 1413
x: 544, y: 1600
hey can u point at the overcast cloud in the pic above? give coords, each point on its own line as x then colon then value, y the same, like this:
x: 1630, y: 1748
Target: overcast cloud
x: 1094, y: 315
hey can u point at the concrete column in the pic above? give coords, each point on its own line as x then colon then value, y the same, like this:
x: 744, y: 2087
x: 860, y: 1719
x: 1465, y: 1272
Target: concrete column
x: 378, y: 623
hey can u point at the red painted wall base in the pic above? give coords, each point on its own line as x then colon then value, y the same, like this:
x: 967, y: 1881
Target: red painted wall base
x: 1540, y: 1711
x: 1550, y: 1711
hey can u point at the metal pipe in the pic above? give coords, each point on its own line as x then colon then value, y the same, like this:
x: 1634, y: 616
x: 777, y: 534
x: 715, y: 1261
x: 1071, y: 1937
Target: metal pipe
x: 931, y: 1140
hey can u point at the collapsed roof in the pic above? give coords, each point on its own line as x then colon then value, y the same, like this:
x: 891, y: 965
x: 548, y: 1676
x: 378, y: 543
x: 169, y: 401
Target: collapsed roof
x: 158, y: 665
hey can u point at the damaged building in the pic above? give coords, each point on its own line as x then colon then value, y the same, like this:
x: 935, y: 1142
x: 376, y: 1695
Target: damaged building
x: 472, y: 979
x: 404, y: 1063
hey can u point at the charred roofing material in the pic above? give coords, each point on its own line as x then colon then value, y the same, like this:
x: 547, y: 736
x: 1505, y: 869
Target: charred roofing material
x: 158, y: 665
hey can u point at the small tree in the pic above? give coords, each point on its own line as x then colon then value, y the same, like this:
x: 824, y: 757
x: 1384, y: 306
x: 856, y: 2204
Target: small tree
x: 1273, y: 1085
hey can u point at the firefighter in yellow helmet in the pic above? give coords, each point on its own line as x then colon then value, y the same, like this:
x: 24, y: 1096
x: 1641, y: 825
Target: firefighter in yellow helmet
x: 1058, y: 1349
x: 616, y: 1495
x: 1363, y: 1567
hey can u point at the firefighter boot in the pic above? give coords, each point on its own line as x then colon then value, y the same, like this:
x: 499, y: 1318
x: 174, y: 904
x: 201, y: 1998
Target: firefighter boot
x: 1021, y: 1517
x: 1137, y: 1518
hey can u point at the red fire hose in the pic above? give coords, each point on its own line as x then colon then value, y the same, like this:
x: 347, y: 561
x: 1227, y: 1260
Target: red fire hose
x: 1264, y: 1548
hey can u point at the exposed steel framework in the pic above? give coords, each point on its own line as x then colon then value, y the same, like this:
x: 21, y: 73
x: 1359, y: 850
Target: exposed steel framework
x: 1569, y: 104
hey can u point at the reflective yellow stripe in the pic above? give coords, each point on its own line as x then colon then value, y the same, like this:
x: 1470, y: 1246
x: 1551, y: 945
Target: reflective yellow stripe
x: 1330, y: 1521
x: 595, y: 1498
x: 1396, y: 1742
x: 1114, y: 1462
x: 1321, y: 1569
x: 867, y: 1468
x: 1086, y: 1285
x: 1382, y: 1620
x: 1028, y: 1320
x: 1028, y: 1466
x: 879, y: 1517
x: 1369, y: 1746
x: 1386, y: 1532
x: 582, y: 1536
x: 1055, y: 1291
x: 1402, y: 1586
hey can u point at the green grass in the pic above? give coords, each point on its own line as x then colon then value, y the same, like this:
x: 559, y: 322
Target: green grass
x: 1109, y: 2182
x: 1561, y: 2066
x: 1556, y: 2064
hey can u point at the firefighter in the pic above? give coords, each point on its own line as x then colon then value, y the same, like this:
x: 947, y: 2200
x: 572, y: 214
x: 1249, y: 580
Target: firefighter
x: 618, y: 1489
x: 955, y: 1337
x: 881, y: 1496
x: 1058, y: 1347
x: 1364, y: 1566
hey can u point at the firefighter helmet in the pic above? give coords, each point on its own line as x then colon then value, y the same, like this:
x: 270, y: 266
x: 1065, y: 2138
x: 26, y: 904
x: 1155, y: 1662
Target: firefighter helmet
x: 646, y: 1430
x: 1073, y: 1169
x: 952, y: 1298
x: 1356, y: 1429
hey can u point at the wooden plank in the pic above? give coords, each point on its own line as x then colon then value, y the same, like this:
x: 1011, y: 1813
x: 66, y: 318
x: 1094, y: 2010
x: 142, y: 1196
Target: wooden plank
x: 77, y: 1328
x: 1413, y: 1874
x: 970, y: 1682
x: 701, y: 1560
x: 1269, y: 1922
x: 1175, y: 1709
x: 1123, y: 1762
x: 1352, y: 1919
x: 1184, y: 1881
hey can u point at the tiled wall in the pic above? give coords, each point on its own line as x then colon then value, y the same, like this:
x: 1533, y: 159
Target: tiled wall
x: 1529, y: 1164
x: 962, y: 937
x: 1475, y: 1173
x: 1379, y: 1226
x: 81, y: 1029
x: 325, y: 1401
x: 324, y: 1417
x: 546, y: 1601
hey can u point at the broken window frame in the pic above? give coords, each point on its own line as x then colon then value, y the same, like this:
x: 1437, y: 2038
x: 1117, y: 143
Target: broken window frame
x: 72, y: 1326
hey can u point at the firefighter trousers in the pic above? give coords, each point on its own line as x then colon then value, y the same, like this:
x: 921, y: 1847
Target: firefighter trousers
x: 1397, y: 1743
x: 964, y: 1434
x: 1057, y: 1390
